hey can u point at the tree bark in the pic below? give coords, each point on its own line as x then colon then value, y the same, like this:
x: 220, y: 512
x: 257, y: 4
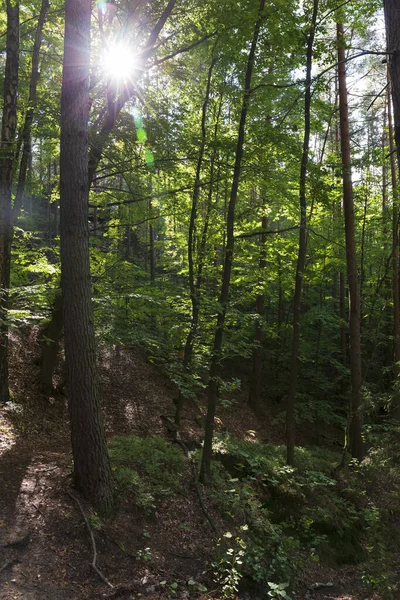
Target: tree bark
x: 354, y: 442
x: 395, y: 263
x: 114, y: 108
x: 392, y: 21
x: 7, y: 152
x: 92, y: 471
x: 212, y: 389
x: 51, y: 336
x: 301, y: 259
x: 27, y: 128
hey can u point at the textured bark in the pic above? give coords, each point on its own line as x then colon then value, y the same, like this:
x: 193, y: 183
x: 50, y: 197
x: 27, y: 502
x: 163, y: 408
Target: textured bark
x: 7, y: 151
x: 194, y: 286
x: 256, y: 375
x: 355, y: 443
x: 205, y: 469
x: 392, y: 21
x: 395, y: 262
x: 92, y: 471
x: 27, y: 128
x: 301, y: 258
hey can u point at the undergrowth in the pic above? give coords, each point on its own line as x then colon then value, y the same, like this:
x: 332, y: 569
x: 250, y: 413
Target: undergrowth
x: 148, y: 467
x: 279, y: 518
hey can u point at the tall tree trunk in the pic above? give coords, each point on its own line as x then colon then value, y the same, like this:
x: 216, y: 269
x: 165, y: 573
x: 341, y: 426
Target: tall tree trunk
x: 392, y: 21
x: 7, y: 150
x: 100, y: 137
x: 51, y: 336
x: 92, y: 471
x: 27, y: 128
x: 395, y: 263
x: 354, y: 443
x: 205, y: 469
x: 301, y: 259
x: 194, y: 286
x: 256, y: 375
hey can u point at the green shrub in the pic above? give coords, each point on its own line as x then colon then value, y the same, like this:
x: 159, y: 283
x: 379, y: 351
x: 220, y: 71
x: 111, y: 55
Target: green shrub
x: 150, y: 467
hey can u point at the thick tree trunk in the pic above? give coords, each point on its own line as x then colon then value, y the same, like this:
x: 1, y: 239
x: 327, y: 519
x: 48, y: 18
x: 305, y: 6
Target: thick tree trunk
x: 101, y: 137
x: 256, y: 375
x: 355, y: 443
x: 27, y: 128
x: 392, y: 20
x: 301, y: 259
x: 205, y: 469
x: 194, y: 286
x: 395, y: 264
x: 91, y: 465
x: 7, y: 150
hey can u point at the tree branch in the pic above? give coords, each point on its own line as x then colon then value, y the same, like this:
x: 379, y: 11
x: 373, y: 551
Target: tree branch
x: 93, y: 563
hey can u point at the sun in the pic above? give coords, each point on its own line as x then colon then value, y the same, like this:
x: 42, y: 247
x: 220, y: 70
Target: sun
x: 119, y: 62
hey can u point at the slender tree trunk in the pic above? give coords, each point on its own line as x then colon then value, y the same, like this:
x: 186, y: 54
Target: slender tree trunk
x: 205, y: 469
x: 395, y: 263
x: 152, y: 255
x: 342, y: 284
x: 92, y: 471
x: 27, y: 128
x: 7, y: 150
x: 355, y: 443
x: 384, y: 171
x: 51, y: 336
x: 301, y: 259
x: 193, y: 286
x: 256, y: 375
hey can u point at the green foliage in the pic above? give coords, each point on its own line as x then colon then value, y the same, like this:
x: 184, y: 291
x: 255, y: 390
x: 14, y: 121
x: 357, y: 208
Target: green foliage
x: 228, y: 566
x: 148, y: 467
x: 292, y: 515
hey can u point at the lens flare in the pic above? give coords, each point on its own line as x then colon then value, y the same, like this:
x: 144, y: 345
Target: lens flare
x: 119, y: 62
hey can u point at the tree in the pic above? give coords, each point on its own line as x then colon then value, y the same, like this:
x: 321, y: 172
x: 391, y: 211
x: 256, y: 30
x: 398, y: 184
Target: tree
x: 92, y: 473
x: 392, y: 20
x: 195, y: 285
x: 25, y: 138
x: 7, y: 150
x: 355, y: 443
x: 301, y: 260
x: 212, y: 390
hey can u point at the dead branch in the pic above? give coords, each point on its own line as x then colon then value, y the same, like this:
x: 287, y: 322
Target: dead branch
x: 261, y: 231
x: 93, y: 563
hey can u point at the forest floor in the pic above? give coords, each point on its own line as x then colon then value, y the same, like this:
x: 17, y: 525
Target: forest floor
x: 45, y: 548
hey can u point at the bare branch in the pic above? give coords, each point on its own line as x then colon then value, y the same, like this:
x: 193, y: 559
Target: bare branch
x: 93, y: 563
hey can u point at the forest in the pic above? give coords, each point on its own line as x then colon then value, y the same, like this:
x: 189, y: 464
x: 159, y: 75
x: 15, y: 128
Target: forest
x: 199, y: 299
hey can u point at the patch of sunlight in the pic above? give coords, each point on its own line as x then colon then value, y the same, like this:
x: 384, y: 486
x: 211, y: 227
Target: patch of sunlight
x: 7, y: 434
x: 130, y: 414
